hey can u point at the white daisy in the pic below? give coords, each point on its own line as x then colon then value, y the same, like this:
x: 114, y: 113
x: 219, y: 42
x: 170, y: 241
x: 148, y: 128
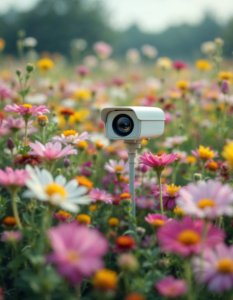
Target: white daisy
x: 43, y: 187
x: 100, y: 140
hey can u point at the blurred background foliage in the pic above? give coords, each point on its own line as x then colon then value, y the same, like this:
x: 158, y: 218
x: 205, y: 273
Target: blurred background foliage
x: 55, y: 23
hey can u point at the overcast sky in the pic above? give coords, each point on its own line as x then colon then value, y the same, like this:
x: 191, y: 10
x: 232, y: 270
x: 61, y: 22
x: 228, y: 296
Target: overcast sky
x: 153, y: 15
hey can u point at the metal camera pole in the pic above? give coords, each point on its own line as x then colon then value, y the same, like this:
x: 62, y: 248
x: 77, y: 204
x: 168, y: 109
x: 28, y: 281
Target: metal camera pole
x: 132, y: 146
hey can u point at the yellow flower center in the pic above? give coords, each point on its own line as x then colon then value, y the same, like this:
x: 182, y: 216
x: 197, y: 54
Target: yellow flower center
x: 83, y: 219
x: 188, y: 237
x: 27, y: 105
x: 203, y: 203
x: 157, y: 223
x: 172, y: 189
x: 206, y: 153
x: 225, y: 266
x: 82, y: 144
x: 99, y: 144
x: 54, y: 188
x: 178, y: 211
x: 69, y: 132
x: 73, y: 256
x: 119, y: 168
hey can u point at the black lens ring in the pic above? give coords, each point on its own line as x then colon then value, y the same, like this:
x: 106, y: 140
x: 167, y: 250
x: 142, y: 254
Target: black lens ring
x: 115, y: 125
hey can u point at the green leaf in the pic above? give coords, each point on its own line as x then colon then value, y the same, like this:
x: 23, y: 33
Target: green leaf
x: 26, y: 218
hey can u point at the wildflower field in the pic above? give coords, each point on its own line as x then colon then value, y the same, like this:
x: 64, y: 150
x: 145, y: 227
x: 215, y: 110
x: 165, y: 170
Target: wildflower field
x: 67, y: 231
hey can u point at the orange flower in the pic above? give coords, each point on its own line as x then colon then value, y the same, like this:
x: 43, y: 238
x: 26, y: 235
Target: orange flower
x: 124, y: 243
x: 2, y: 44
x: 84, y: 181
x: 105, y: 280
x: 9, y: 221
x: 83, y: 219
x: 135, y: 296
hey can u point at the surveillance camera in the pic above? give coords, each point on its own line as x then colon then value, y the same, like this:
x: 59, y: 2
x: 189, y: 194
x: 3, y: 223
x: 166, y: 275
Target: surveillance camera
x: 133, y: 122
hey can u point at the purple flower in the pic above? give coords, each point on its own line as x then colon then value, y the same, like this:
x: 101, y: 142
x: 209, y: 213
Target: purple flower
x: 11, y: 236
x: 225, y: 87
x: 100, y: 195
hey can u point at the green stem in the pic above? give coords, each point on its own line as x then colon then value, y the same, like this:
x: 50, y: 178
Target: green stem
x: 26, y: 133
x: 15, y: 209
x: 160, y: 192
x: 78, y: 292
x: 126, y: 282
x: 188, y: 276
x: 43, y: 135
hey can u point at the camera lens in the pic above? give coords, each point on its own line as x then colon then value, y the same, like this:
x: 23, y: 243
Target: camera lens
x: 123, y: 125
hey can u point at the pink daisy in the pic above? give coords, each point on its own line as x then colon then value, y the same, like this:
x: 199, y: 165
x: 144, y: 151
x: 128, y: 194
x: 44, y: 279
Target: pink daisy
x: 15, y: 124
x: 157, y: 162
x: 169, y: 194
x: 185, y: 237
x: 27, y: 109
x: 210, y: 199
x: 116, y: 167
x: 77, y: 250
x: 144, y: 202
x: 51, y: 151
x: 5, y: 91
x: 156, y: 220
x: 103, y: 49
x: 72, y: 138
x: 179, y: 65
x: 100, y: 195
x: 216, y: 268
x: 13, y: 177
x: 171, y: 287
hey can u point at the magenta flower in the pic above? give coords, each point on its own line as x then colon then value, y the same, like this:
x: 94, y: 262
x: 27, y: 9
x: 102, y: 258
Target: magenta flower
x: 216, y: 268
x: 210, y: 199
x: 82, y: 70
x: 185, y: 237
x: 5, y: 92
x: 179, y: 65
x: 100, y: 195
x: 171, y: 287
x: 13, y: 177
x: 116, y: 167
x: 225, y: 87
x: 169, y: 194
x: 27, y: 109
x: 168, y: 117
x: 77, y: 250
x: 156, y: 220
x: 157, y: 162
x: 11, y: 236
x: 51, y: 151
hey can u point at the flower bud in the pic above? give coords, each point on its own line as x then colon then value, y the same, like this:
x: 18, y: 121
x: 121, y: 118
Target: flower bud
x: 125, y: 199
x: 42, y: 121
x: 21, y: 34
x: 144, y: 168
x: 225, y: 87
x: 18, y: 72
x: 29, y: 68
x: 225, y: 169
x: 219, y: 42
x: 128, y: 263
x: 197, y: 177
x: 66, y: 162
x: 58, y: 171
x: 10, y: 144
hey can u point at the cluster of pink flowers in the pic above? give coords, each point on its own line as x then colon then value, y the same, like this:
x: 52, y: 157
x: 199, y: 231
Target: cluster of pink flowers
x: 13, y: 178
x: 27, y: 109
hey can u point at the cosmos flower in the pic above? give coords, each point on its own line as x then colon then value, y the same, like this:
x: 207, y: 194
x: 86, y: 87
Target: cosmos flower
x: 15, y: 124
x: 210, y: 199
x: 156, y: 220
x: 157, y: 162
x: 71, y: 137
x: 185, y: 237
x: 215, y: 268
x: 149, y: 51
x: 27, y: 109
x: 171, y: 287
x: 42, y: 186
x: 100, y: 195
x: 174, y: 141
x: 13, y: 178
x: 145, y: 202
x: 169, y: 193
x: 51, y: 151
x: 77, y: 251
x: 117, y: 167
x: 103, y: 49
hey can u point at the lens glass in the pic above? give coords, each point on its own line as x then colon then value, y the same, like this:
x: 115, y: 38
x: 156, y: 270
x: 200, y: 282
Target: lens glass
x: 123, y: 125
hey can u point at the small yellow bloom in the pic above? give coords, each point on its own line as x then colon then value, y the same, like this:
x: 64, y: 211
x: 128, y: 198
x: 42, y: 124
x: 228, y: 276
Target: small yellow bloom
x: 79, y: 116
x: 225, y: 76
x: 164, y: 63
x: 203, y: 65
x: 2, y: 44
x: 105, y: 280
x: 172, y: 189
x: 227, y: 153
x: 82, y: 145
x: 144, y: 142
x: 83, y: 219
x: 93, y: 207
x: 113, y: 222
x: 69, y: 132
x: 82, y: 94
x: 182, y: 84
x: 178, y: 211
x: 45, y: 64
x: 205, y: 153
x: 191, y: 159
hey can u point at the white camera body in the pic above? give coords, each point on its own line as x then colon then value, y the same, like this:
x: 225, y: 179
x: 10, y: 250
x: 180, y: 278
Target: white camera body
x: 133, y: 122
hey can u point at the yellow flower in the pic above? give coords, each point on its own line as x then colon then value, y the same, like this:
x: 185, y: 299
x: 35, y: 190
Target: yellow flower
x: 164, y: 63
x: 113, y: 222
x: 205, y: 153
x: 203, y: 65
x: 191, y: 159
x: 144, y: 143
x: 182, y: 84
x: 105, y: 280
x: 82, y: 94
x: 82, y: 145
x: 178, y: 211
x: 84, y: 181
x: 92, y: 207
x: 172, y: 189
x: 45, y: 64
x: 2, y: 44
x: 79, y: 116
x: 227, y: 153
x: 83, y: 219
x: 225, y: 76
